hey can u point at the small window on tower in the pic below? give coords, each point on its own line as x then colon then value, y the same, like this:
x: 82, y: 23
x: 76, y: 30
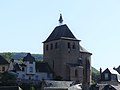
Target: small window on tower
x: 56, y: 45
x: 47, y: 47
x: 73, y: 46
x: 51, y: 46
x: 68, y: 45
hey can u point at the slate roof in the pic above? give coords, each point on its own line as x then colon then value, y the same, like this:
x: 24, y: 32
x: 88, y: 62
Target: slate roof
x: 112, y: 73
x: 29, y: 57
x: 59, y: 32
x: 105, y: 87
x: 83, y: 50
x: 43, y: 67
x: 22, y: 65
x: 17, y: 67
x: 3, y: 61
x: 61, y: 84
x: 106, y: 70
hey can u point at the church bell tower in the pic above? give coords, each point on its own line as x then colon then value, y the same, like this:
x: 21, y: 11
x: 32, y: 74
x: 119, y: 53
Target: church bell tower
x: 61, y: 49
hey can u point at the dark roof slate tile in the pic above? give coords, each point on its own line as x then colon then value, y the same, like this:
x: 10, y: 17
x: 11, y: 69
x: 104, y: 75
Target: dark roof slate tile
x: 61, y: 31
x: 29, y: 58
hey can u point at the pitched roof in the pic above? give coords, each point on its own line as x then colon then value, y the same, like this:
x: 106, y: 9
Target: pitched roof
x: 106, y: 70
x: 83, y: 50
x: 3, y: 61
x: 43, y: 67
x: 105, y: 87
x: 29, y: 58
x: 59, y: 32
x: 17, y: 67
x: 61, y: 84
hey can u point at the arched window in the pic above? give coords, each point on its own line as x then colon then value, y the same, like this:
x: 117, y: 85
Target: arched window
x: 76, y: 73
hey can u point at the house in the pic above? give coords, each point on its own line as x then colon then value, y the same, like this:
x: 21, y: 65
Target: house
x: 3, y: 64
x: 30, y: 70
x: 60, y: 85
x: 110, y: 77
x: 109, y: 80
x: 10, y: 88
x: 66, y: 57
x: 104, y: 87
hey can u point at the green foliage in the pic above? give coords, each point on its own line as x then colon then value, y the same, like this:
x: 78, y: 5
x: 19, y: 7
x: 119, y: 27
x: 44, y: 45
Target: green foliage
x: 7, y: 56
x: 7, y: 79
x: 95, y: 75
x: 29, y: 86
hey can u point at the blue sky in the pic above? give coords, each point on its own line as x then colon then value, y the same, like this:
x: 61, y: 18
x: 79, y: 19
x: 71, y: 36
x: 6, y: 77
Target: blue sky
x: 25, y: 24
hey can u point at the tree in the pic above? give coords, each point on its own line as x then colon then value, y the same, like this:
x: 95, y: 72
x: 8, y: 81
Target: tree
x: 7, y: 56
x: 8, y: 79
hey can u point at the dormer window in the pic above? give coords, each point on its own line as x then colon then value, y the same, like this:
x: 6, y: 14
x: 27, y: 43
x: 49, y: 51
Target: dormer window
x: 106, y: 76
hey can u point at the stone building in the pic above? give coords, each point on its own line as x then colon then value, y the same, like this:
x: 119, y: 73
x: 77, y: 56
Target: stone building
x: 66, y: 57
x: 3, y: 64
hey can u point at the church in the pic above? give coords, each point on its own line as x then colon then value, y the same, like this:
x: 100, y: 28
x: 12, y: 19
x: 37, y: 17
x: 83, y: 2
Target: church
x: 66, y: 57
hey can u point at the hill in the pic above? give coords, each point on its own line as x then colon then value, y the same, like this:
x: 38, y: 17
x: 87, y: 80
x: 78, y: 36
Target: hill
x: 19, y: 56
x: 95, y: 75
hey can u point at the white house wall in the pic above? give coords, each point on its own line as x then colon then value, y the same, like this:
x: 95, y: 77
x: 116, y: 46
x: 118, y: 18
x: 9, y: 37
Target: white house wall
x: 36, y: 76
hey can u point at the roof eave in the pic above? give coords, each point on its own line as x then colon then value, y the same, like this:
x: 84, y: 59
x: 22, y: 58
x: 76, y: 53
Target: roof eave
x: 86, y: 52
x: 63, y: 38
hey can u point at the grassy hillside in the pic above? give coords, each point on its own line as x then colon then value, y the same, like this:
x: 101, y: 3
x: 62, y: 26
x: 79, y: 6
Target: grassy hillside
x: 95, y: 75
